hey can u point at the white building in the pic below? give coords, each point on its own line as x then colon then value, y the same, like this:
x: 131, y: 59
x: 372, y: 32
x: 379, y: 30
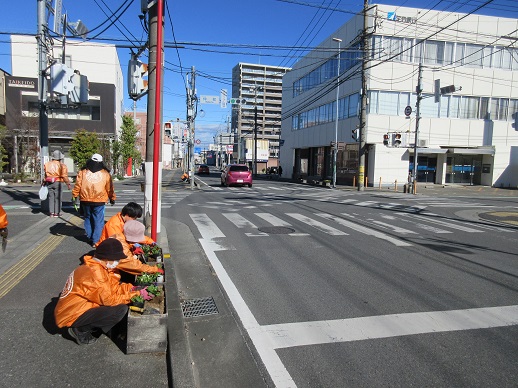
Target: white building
x: 468, y: 137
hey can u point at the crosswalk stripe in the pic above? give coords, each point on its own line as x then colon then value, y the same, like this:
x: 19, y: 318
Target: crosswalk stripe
x: 274, y: 221
x: 365, y: 230
x: 449, y: 224
x: 395, y: 228
x: 238, y: 220
x: 317, y: 225
x: 206, y: 226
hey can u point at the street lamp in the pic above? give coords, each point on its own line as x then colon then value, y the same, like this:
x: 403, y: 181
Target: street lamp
x: 335, y: 148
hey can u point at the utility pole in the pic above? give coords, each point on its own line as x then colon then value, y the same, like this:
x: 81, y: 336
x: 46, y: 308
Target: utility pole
x: 419, y: 91
x: 363, y: 112
x: 191, y: 115
x: 255, y: 137
x: 42, y: 86
x: 154, y: 114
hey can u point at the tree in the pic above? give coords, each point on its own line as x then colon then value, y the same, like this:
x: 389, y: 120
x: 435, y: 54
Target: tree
x: 127, y: 142
x: 4, y: 159
x: 83, y: 146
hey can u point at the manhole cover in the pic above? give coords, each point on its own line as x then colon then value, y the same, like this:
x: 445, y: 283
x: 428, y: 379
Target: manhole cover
x: 276, y: 230
x: 199, y: 307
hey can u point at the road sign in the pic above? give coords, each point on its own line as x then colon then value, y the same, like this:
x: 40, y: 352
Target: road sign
x: 198, y: 141
x: 230, y: 148
x: 223, y: 98
x: 209, y: 99
x: 281, y: 142
x: 408, y: 110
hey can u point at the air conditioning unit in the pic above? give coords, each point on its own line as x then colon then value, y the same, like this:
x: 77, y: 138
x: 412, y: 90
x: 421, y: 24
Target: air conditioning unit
x: 423, y: 143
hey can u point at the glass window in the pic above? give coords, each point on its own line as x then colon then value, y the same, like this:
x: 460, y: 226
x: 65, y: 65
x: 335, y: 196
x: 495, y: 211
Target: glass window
x: 506, y: 59
x: 448, y: 53
x: 454, y: 107
x: 373, y: 102
x: 406, y: 55
x: 434, y: 52
x: 428, y: 106
x: 484, y: 108
x: 503, y: 105
x: 388, y: 103
x: 459, y: 54
x: 473, y: 55
x: 469, y: 107
x: 513, y: 109
x: 377, y: 47
x: 404, y: 101
x: 353, y: 105
x: 444, y: 106
x: 486, y: 60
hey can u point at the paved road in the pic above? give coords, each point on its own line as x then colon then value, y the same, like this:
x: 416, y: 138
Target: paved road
x: 339, y: 288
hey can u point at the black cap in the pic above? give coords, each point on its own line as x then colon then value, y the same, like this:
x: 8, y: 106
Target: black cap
x: 110, y: 249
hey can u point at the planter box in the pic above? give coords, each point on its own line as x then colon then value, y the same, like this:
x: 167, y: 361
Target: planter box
x: 147, y: 332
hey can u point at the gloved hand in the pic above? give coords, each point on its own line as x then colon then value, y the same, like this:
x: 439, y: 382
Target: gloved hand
x: 136, y: 288
x: 146, y: 295
x: 160, y: 271
x: 4, y: 232
x: 112, y: 202
x: 138, y: 251
x: 74, y: 202
x: 137, y: 245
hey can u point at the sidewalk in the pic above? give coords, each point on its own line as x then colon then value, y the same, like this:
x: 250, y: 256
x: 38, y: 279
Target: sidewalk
x: 202, y: 351
x: 33, y: 351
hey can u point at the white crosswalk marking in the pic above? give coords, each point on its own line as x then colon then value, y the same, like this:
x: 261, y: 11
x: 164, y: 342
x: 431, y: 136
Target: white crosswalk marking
x: 317, y: 225
x: 275, y: 221
x: 395, y: 228
x: 365, y: 230
x: 448, y: 224
x: 239, y: 221
x: 206, y: 226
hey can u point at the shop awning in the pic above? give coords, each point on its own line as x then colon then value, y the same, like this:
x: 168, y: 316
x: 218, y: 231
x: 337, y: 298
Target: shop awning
x: 472, y: 151
x: 421, y: 151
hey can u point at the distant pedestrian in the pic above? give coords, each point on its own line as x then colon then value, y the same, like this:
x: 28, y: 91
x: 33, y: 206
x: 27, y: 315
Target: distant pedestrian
x: 56, y: 173
x: 94, y: 187
x: 93, y: 299
x: 280, y: 171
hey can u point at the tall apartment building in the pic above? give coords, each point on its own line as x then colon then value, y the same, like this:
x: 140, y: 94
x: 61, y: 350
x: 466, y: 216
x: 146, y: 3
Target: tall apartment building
x: 465, y: 137
x: 259, y: 86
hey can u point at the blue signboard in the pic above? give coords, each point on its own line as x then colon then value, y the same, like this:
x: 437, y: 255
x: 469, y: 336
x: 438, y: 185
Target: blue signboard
x: 197, y: 150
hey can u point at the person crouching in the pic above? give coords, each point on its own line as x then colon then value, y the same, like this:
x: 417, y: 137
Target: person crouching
x: 93, y: 300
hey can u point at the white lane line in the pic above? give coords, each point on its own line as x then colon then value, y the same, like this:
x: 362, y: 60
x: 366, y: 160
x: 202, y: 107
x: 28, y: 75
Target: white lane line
x: 206, y: 226
x: 270, y: 218
x: 263, y: 345
x: 384, y: 326
x: 365, y: 230
x: 317, y: 225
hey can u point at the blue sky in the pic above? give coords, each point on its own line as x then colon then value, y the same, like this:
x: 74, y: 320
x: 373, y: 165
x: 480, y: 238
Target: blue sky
x: 217, y: 27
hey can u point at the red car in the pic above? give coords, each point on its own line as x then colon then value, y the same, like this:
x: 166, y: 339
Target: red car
x: 203, y: 169
x: 236, y: 174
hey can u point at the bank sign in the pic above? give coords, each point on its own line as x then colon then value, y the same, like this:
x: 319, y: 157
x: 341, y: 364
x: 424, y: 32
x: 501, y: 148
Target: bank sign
x: 402, y: 19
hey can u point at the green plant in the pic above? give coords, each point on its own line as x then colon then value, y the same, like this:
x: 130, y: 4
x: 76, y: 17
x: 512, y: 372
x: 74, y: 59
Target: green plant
x: 155, y: 290
x: 151, y: 250
x: 147, y: 278
x: 137, y: 299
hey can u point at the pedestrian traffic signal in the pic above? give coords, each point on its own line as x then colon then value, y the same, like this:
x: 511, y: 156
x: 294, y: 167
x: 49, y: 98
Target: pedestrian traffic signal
x: 397, y: 139
x: 386, y: 139
x: 355, y: 133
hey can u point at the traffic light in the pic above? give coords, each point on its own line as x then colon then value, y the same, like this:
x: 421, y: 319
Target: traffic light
x: 386, y: 139
x: 136, y: 84
x: 397, y: 139
x: 354, y: 133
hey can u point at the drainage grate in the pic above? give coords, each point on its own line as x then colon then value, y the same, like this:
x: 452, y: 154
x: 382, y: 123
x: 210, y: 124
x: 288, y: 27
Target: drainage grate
x: 276, y: 230
x: 199, y: 307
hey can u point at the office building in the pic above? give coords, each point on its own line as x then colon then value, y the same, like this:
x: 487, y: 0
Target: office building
x: 467, y: 132
x: 258, y: 87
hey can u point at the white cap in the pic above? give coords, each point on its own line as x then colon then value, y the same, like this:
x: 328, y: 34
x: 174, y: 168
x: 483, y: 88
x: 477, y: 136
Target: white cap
x: 97, y: 158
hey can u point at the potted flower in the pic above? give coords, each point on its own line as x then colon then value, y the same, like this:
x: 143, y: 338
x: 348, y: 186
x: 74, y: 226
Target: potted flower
x: 137, y: 301
x: 152, y: 251
x: 146, y: 279
x: 154, y: 290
